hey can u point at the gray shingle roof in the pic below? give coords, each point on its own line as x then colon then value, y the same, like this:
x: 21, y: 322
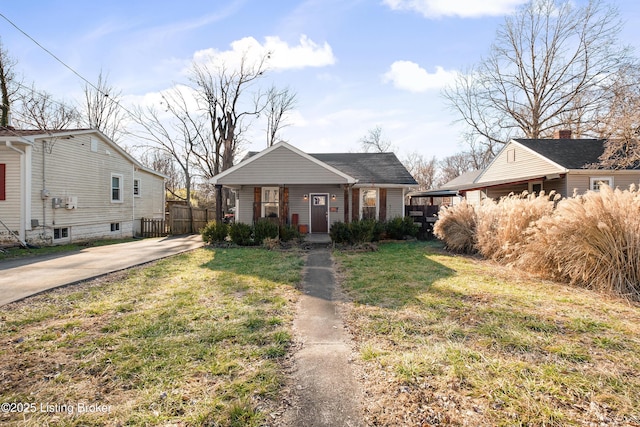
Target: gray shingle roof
x: 370, y: 168
x: 569, y: 153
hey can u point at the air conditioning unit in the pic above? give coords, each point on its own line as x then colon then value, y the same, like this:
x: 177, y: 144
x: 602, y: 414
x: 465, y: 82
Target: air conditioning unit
x: 71, y: 202
x: 56, y: 202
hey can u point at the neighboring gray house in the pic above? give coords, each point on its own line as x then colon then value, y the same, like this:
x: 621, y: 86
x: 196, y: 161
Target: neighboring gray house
x: 316, y: 190
x: 72, y: 185
x: 563, y: 165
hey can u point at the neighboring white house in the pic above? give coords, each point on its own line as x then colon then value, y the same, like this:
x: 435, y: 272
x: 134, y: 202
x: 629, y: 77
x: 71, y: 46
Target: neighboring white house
x: 316, y: 190
x: 66, y: 186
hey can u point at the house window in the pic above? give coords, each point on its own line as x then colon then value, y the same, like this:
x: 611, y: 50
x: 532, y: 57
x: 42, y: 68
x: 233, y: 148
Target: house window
x: 596, y: 182
x: 369, y: 203
x: 94, y: 145
x: 115, y: 226
x: 511, y: 156
x: 60, y: 233
x: 3, y: 181
x: 116, y: 188
x: 136, y: 187
x: 270, y: 198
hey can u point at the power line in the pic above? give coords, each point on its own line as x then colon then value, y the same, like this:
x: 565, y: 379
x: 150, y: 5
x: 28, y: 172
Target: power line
x: 106, y: 95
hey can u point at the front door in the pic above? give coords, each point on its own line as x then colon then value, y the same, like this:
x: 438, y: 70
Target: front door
x: 319, y: 213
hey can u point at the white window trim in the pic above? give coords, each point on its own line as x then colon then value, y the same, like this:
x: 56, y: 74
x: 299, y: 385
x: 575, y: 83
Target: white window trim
x: 121, y: 188
x: 139, y: 194
x: 377, y: 190
x: 594, y: 179
x: 262, y: 207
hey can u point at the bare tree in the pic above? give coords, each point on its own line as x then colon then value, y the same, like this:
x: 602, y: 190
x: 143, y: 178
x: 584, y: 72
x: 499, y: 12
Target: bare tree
x: 174, y: 134
x: 423, y: 170
x: 621, y: 126
x: 374, y: 142
x: 279, y: 103
x: 221, y: 91
x: 457, y: 164
x: 39, y: 110
x: 8, y: 86
x: 102, y: 109
x: 552, y: 63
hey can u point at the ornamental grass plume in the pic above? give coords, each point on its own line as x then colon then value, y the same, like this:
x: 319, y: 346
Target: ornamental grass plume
x: 592, y: 240
x: 456, y: 227
x: 502, y: 225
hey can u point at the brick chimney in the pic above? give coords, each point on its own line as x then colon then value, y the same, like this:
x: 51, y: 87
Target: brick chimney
x: 562, y: 134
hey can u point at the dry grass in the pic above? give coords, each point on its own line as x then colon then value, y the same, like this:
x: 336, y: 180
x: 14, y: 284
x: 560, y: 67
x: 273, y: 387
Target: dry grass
x: 197, y: 339
x: 451, y: 340
x: 501, y: 226
x: 456, y: 226
x: 591, y: 240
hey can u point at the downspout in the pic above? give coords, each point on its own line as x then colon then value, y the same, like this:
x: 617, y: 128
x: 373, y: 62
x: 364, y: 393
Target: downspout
x: 25, y: 187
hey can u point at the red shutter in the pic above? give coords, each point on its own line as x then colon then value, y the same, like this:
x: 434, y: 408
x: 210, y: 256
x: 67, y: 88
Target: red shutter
x: 355, y: 204
x: 257, y: 203
x: 3, y: 181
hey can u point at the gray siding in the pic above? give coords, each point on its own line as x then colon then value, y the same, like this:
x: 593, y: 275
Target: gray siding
x: 280, y: 167
x: 525, y: 164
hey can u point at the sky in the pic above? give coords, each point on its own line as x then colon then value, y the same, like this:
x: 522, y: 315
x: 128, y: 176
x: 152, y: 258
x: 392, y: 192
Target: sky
x: 353, y: 64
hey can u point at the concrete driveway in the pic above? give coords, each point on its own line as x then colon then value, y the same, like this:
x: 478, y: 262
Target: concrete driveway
x: 23, y: 277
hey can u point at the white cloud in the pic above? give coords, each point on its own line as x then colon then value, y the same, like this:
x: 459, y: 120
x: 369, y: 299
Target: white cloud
x: 409, y: 76
x: 282, y: 56
x: 460, y: 8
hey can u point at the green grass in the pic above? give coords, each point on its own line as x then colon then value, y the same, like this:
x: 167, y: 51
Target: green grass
x: 471, y: 343
x: 196, y: 339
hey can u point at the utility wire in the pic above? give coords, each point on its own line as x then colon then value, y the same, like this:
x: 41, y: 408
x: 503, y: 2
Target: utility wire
x: 106, y: 95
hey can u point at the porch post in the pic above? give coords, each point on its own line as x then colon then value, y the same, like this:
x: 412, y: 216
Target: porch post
x: 219, y: 213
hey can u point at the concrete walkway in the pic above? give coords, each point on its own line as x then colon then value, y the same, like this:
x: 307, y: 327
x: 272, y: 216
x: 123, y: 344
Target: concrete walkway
x: 20, y: 278
x: 325, y: 390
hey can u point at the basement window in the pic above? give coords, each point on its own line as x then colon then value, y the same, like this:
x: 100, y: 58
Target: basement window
x: 115, y: 226
x: 60, y: 233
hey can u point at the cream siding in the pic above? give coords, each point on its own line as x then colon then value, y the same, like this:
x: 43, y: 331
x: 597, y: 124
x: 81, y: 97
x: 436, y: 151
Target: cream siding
x: 71, y: 168
x: 279, y: 167
x: 395, y: 203
x: 579, y: 182
x: 525, y: 164
x: 10, y: 208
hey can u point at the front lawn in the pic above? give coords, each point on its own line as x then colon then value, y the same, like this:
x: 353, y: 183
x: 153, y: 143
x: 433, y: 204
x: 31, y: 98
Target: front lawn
x: 452, y: 340
x: 197, y: 339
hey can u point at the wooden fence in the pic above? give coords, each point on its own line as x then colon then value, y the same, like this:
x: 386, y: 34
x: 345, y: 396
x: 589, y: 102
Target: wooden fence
x: 152, y: 227
x: 186, y: 220
x: 426, y: 216
x: 179, y: 220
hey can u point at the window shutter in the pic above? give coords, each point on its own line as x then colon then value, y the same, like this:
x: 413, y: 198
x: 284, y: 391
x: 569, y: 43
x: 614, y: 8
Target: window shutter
x: 355, y: 204
x: 346, y: 204
x: 3, y: 181
x: 383, y: 204
x: 284, y: 205
x: 257, y: 203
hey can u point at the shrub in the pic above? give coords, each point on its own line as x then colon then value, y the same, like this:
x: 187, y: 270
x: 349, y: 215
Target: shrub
x: 340, y: 232
x: 501, y: 226
x: 214, y: 232
x: 592, y: 241
x: 240, y: 234
x: 456, y: 227
x: 265, y: 229
x: 400, y: 227
x: 288, y: 232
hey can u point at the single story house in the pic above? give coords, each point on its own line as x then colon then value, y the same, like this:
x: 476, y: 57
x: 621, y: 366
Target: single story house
x: 65, y: 186
x: 564, y: 165
x: 316, y: 190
